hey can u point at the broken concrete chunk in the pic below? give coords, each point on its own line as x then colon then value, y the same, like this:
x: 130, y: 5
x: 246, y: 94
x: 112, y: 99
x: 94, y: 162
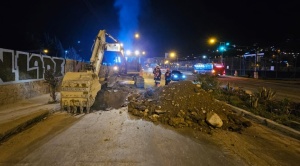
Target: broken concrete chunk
x: 213, y: 119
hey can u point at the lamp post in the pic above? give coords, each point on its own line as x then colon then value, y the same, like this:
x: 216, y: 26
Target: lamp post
x: 137, y: 54
x: 222, y: 47
x: 66, y: 52
x: 277, y: 66
x: 177, y: 64
x: 255, y: 75
x: 295, y: 64
x: 255, y: 67
x: 173, y: 55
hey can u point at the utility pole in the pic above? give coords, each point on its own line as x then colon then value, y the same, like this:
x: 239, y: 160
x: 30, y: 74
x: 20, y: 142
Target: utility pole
x: 222, y: 47
x: 255, y: 68
x: 296, y: 56
x: 255, y: 75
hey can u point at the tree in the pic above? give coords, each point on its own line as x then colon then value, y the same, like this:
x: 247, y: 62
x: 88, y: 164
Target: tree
x: 53, y: 45
x: 38, y: 42
x: 53, y: 83
x: 72, y: 54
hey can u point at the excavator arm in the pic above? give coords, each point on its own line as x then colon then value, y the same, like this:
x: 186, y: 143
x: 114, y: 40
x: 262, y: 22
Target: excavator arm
x: 100, y: 46
x: 98, y: 52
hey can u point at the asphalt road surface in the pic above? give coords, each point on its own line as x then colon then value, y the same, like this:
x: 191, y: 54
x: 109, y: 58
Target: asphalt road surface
x: 284, y: 89
x: 112, y: 138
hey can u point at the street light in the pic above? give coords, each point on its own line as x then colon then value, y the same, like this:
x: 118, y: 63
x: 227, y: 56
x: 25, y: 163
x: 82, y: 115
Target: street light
x: 212, y: 40
x: 136, y: 35
x: 45, y: 51
x: 173, y: 55
x: 128, y: 52
x: 137, y: 52
x: 66, y: 52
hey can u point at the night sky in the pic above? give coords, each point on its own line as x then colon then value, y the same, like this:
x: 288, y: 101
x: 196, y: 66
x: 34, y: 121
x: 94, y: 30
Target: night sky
x: 163, y: 25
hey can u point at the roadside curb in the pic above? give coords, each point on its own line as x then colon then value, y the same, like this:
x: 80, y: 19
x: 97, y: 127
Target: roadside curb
x: 14, y: 127
x: 267, y: 122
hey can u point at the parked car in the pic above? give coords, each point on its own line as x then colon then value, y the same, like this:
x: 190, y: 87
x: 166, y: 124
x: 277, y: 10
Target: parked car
x: 177, y: 75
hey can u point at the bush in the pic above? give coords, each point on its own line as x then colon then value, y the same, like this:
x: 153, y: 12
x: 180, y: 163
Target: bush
x: 208, y: 82
x: 53, y: 83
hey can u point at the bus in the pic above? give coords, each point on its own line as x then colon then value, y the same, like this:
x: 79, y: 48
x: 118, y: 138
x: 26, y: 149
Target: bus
x: 209, y: 68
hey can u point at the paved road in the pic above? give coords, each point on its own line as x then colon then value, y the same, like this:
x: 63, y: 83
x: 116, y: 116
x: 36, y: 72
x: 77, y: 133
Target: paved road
x: 115, y: 138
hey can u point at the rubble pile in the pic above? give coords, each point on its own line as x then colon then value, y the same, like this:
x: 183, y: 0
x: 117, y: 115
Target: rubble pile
x: 185, y: 104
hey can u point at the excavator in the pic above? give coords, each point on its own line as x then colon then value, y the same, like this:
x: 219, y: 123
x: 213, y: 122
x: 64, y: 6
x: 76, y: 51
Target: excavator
x: 79, y: 89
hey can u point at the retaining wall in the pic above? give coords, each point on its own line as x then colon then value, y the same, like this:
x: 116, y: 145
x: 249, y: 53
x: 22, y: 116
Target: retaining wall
x: 11, y: 93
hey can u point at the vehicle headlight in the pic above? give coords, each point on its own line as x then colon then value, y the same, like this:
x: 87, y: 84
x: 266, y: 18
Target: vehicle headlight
x: 175, y: 76
x: 183, y: 76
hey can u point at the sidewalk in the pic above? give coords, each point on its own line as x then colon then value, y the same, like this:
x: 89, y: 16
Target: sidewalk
x: 17, y: 116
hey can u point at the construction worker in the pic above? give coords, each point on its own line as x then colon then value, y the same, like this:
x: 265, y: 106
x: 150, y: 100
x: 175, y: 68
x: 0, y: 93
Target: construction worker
x: 168, y: 76
x: 157, y: 76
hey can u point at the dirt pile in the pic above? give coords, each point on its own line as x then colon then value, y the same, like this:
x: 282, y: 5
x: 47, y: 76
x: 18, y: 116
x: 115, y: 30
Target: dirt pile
x: 185, y: 104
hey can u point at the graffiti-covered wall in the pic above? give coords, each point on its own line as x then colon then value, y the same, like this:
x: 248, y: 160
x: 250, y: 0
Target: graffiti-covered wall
x: 17, y: 66
x: 22, y: 74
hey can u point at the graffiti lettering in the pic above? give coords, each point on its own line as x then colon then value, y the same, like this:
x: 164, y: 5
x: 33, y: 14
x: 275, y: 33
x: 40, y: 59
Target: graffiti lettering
x: 16, y: 66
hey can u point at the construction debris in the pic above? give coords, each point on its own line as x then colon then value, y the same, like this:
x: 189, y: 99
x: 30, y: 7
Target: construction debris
x: 185, y: 104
